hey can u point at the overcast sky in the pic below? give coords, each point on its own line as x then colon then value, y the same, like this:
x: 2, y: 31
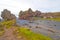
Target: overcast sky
x: 43, y: 5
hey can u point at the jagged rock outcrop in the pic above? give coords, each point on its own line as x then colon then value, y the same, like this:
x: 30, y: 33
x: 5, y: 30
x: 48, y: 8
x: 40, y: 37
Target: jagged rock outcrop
x: 28, y: 14
x: 6, y: 15
x: 37, y: 13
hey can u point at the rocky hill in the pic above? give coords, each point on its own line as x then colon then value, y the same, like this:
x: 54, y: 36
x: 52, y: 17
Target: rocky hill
x: 28, y: 14
x: 7, y: 15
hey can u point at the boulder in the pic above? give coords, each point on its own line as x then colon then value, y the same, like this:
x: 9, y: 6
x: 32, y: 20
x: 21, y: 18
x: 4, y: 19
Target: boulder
x: 6, y: 15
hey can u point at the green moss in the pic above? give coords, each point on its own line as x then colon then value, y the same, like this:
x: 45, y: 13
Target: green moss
x: 8, y: 24
x: 23, y: 33
x: 29, y: 35
x: 52, y: 19
x: 1, y: 30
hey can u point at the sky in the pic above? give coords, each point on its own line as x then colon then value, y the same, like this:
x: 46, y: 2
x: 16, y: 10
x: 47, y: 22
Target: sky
x: 42, y: 5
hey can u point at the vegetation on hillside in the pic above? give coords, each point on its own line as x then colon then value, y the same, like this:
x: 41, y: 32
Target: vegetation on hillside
x: 1, y: 29
x: 52, y: 19
x: 21, y: 33
x: 9, y: 28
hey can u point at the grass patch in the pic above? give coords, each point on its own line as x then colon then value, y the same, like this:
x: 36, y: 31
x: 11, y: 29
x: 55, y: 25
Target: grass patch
x: 29, y: 35
x: 23, y: 33
x: 1, y: 30
x: 52, y: 19
x: 8, y: 24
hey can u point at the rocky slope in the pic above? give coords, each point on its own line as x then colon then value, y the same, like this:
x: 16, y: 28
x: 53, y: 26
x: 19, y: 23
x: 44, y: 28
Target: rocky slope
x: 10, y: 31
